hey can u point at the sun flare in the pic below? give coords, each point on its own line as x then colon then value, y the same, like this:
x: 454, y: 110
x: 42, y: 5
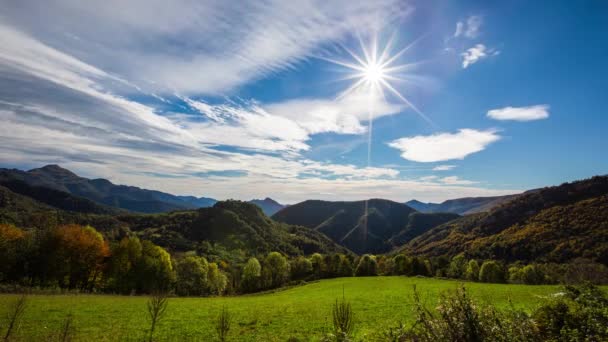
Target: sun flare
x: 375, y: 72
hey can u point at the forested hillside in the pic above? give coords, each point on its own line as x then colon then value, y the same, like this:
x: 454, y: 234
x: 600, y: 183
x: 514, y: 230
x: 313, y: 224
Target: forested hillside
x: 555, y: 224
x: 231, y: 230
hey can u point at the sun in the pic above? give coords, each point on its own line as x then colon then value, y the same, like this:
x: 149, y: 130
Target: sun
x: 376, y: 71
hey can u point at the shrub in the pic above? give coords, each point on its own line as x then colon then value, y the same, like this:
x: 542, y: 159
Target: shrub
x: 222, y: 324
x: 458, y: 318
x: 578, y: 314
x: 157, y: 305
x: 344, y: 324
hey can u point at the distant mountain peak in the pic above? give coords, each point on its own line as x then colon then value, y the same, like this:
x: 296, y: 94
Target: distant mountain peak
x: 54, y: 169
x: 268, y: 205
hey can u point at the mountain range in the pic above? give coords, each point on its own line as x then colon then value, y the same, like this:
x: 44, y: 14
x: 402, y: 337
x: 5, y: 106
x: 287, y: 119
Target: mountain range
x: 462, y: 206
x: 552, y: 224
x: 374, y: 226
x: 109, y: 195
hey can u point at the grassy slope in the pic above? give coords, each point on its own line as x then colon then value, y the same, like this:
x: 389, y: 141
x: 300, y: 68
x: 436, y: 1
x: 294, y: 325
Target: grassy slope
x: 303, y: 312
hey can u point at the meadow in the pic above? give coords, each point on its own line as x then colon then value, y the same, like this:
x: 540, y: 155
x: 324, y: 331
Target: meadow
x: 303, y: 312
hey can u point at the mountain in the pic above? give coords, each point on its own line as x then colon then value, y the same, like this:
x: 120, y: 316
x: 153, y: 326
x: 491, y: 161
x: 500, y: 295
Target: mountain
x: 103, y: 191
x: 554, y: 224
x: 268, y: 205
x: 57, y: 198
x: 358, y: 229
x: 230, y: 230
x: 198, y: 202
x: 461, y: 206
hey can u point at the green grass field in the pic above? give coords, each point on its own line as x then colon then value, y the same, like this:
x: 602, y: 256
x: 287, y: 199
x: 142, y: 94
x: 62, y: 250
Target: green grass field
x: 303, y: 312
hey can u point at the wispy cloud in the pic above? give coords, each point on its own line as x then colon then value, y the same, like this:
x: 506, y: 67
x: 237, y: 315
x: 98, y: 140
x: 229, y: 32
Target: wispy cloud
x: 444, y: 146
x: 469, y: 28
x: 455, y: 180
x: 444, y: 167
x: 529, y: 113
x: 475, y: 54
x: 196, y: 47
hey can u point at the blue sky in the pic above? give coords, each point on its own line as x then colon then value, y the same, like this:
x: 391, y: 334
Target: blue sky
x: 246, y: 100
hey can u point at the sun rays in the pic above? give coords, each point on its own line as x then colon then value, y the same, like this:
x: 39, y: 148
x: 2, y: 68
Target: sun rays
x: 375, y: 71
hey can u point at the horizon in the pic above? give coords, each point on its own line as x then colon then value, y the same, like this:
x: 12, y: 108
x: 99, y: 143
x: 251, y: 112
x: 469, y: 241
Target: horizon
x: 478, y: 99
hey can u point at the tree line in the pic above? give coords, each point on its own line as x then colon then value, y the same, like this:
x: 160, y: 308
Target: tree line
x: 80, y: 258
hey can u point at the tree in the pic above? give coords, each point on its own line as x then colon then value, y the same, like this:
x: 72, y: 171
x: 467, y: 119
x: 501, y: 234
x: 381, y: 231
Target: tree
x: 457, y: 267
x: 252, y: 276
x: 192, y: 276
x: 515, y: 275
x: 346, y: 266
x: 79, y: 255
x: 318, y: 265
x: 491, y: 272
x: 217, y: 280
x: 301, y: 268
x: 13, y: 252
x: 154, y: 269
x: 420, y: 267
x: 402, y: 265
x: 125, y: 258
x: 472, y: 271
x: 532, y: 275
x: 277, y: 268
x: 367, y: 266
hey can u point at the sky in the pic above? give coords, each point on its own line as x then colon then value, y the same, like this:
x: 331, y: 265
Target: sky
x: 285, y: 99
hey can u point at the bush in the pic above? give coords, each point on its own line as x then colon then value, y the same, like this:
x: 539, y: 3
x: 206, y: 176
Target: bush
x: 222, y: 324
x: 460, y: 319
x: 344, y: 324
x: 577, y: 314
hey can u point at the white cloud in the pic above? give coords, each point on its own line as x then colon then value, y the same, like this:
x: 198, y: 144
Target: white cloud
x: 196, y: 47
x: 444, y: 146
x: 343, y: 115
x: 469, y: 29
x: 444, y: 167
x: 476, y: 53
x: 529, y: 113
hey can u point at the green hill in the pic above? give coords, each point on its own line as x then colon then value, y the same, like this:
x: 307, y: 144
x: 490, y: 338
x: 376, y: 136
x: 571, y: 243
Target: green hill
x: 358, y: 229
x: 230, y: 230
x: 554, y: 224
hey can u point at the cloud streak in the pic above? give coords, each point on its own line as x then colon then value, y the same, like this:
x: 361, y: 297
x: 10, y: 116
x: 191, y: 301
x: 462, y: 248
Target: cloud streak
x: 529, y: 113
